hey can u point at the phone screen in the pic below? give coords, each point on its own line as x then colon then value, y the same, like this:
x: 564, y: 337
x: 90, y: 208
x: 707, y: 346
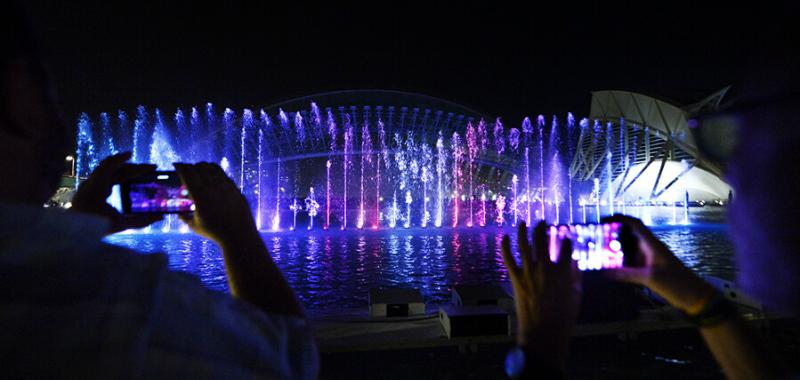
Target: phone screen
x: 156, y: 193
x: 594, y: 246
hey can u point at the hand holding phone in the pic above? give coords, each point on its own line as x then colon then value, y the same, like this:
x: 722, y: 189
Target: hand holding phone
x: 656, y: 267
x: 222, y: 213
x: 93, y: 192
x: 547, y: 290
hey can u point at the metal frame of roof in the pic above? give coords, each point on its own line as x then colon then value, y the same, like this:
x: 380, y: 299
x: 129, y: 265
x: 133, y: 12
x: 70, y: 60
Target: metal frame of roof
x: 649, y: 129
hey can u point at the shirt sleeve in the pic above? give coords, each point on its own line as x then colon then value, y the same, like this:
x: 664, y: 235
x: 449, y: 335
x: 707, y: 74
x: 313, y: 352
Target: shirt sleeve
x: 203, y: 333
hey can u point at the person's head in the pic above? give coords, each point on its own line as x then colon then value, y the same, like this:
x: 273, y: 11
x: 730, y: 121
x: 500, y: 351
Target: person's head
x: 33, y: 138
x: 764, y: 172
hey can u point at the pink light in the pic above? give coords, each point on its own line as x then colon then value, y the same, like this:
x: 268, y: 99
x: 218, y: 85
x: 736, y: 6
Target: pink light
x: 377, y: 194
x: 483, y: 213
x: 455, y: 210
x: 328, y: 197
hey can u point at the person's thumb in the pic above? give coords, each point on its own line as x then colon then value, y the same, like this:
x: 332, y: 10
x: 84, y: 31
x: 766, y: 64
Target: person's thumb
x: 187, y: 218
x: 632, y: 275
x: 190, y: 221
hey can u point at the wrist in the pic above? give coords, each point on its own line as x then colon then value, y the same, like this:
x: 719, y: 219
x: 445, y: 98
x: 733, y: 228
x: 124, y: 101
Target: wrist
x: 241, y: 238
x: 715, y: 311
x: 547, y: 344
x: 684, y: 290
x: 522, y: 362
x: 700, y: 300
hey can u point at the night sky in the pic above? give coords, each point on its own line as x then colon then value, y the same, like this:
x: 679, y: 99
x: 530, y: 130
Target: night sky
x: 509, y: 62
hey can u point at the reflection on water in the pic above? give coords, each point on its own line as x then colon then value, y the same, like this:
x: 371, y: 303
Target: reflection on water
x: 335, y: 269
x: 706, y: 249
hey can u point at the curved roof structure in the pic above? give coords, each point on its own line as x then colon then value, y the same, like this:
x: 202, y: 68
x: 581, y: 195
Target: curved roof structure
x: 398, y: 111
x: 378, y: 99
x: 405, y: 113
x: 670, y: 121
x: 701, y: 184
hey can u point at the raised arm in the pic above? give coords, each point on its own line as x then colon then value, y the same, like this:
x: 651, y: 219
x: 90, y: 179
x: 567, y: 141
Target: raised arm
x: 740, y: 353
x: 223, y: 215
x: 547, y: 296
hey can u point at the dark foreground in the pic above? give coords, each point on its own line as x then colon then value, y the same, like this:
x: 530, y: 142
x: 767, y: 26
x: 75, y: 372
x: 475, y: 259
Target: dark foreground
x: 653, y: 355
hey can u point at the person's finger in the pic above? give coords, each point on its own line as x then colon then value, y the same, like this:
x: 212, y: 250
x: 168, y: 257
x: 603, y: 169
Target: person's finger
x: 188, y: 219
x: 508, y: 259
x: 111, y: 164
x: 116, y: 159
x: 216, y: 170
x: 637, y: 227
x: 632, y: 275
x: 540, y: 244
x: 645, y: 244
x: 565, y: 254
x: 577, y: 276
x: 203, y: 170
x: 101, y: 178
x: 130, y: 171
x: 524, y: 245
x: 652, y: 249
x: 218, y: 176
x: 190, y: 178
x: 199, y: 192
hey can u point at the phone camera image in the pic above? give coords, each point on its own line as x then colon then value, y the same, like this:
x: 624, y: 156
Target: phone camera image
x: 594, y: 246
x: 161, y: 192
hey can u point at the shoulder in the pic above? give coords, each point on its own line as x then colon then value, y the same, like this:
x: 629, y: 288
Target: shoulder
x: 195, y: 322
x: 68, y: 308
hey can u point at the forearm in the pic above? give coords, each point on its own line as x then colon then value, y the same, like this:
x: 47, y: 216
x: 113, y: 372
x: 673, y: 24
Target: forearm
x: 254, y: 277
x: 737, y: 350
x: 740, y: 353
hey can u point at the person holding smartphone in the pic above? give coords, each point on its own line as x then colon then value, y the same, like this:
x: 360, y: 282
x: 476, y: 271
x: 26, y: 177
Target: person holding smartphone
x: 753, y: 140
x: 547, y: 294
x: 73, y: 306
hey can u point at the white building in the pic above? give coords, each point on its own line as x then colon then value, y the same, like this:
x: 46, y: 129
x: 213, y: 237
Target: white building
x: 643, y: 145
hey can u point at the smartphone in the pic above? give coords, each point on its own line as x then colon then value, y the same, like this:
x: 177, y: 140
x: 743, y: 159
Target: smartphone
x: 594, y: 246
x: 159, y: 192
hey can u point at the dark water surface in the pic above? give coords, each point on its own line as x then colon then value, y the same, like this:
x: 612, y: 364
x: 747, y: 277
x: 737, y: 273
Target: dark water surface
x: 335, y: 269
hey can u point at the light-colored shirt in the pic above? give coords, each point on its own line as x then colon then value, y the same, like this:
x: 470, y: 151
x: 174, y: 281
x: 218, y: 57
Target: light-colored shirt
x: 73, y: 306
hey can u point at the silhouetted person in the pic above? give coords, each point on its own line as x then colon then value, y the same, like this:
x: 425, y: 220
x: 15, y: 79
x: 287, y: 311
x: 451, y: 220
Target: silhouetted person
x: 755, y: 141
x: 72, y: 306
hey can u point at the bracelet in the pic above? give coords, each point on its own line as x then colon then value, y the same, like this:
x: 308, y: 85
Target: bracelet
x: 699, y: 307
x: 522, y: 364
x: 715, y: 311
